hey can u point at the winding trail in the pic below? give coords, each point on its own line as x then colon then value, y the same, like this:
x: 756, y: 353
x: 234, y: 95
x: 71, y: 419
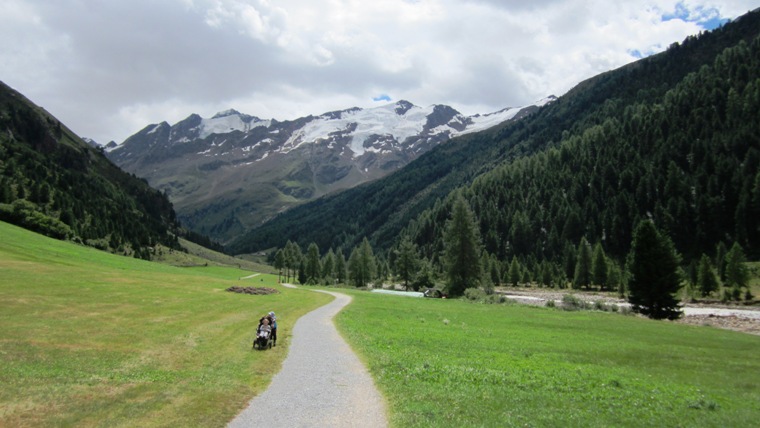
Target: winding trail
x: 322, y: 382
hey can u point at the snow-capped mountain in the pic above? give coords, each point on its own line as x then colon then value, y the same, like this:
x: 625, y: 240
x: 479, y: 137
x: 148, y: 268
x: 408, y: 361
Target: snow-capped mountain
x: 233, y: 171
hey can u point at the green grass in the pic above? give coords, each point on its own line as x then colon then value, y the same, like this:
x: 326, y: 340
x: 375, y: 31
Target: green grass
x: 92, y: 339
x: 460, y: 364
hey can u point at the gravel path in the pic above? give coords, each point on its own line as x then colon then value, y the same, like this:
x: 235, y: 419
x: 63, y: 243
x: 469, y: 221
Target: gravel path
x: 322, y: 382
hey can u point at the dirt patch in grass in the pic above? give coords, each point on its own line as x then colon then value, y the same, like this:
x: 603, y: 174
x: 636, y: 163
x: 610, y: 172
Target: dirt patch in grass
x: 252, y: 290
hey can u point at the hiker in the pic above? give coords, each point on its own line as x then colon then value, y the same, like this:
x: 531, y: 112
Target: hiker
x: 273, y: 322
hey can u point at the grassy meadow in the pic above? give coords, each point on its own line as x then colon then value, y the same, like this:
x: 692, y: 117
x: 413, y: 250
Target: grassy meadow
x: 92, y: 339
x: 459, y: 364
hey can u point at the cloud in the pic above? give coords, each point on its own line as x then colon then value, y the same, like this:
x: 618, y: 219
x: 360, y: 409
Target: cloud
x: 708, y: 18
x: 107, y: 69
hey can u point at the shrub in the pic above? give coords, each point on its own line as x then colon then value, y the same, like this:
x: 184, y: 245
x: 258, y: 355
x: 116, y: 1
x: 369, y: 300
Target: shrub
x: 474, y: 294
x: 497, y: 298
x: 572, y: 303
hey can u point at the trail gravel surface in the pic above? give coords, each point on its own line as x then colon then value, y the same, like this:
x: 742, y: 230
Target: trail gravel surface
x: 322, y: 382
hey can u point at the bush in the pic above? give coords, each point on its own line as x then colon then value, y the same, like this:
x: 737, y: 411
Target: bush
x: 572, y: 303
x: 474, y: 294
x: 497, y: 298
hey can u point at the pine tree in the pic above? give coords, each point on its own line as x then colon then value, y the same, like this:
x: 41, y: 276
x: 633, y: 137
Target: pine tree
x: 495, y: 273
x: 302, y: 278
x: 514, y: 272
x: 583, y: 265
x: 614, y: 277
x: 361, y: 265
x: 599, y: 268
x: 406, y: 261
x: 328, y: 267
x: 313, y: 268
x: 707, y: 282
x: 720, y: 260
x: 737, y: 275
x: 546, y: 274
x: 279, y: 263
x: 654, y: 278
x: 341, y: 269
x: 426, y: 277
x: 462, y: 249
x: 293, y: 258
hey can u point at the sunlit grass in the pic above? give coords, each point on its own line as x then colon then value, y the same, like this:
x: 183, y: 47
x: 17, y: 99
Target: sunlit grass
x: 454, y: 363
x: 92, y: 339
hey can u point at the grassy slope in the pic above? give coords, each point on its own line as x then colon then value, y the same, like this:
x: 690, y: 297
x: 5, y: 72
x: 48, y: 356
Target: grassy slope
x: 496, y: 365
x: 92, y: 339
x: 198, y: 255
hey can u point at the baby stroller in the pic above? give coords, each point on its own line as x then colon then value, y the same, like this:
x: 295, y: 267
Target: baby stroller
x: 263, y: 339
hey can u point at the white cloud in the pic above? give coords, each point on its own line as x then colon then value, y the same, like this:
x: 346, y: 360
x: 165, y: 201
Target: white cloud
x: 107, y: 69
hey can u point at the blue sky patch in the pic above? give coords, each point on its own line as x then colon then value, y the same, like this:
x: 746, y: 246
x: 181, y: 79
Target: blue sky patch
x: 707, y: 18
x: 382, y: 97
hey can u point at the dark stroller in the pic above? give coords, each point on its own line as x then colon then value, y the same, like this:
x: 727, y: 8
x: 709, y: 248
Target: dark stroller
x: 263, y: 339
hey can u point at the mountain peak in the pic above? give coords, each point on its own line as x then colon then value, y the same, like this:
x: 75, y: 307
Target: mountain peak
x: 225, y: 113
x: 403, y: 106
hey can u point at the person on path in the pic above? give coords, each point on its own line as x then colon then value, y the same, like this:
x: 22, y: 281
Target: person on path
x: 273, y: 323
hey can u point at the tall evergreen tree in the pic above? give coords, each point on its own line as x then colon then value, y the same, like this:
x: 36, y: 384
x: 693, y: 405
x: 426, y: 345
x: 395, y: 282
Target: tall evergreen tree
x: 653, y: 265
x: 341, y: 268
x: 737, y: 275
x: 361, y: 265
x: 313, y: 267
x: 406, y: 261
x: 462, y: 249
x: 328, y: 267
x: 293, y: 256
x: 599, y: 270
x: 279, y: 263
x: 302, y: 278
x: 707, y: 282
x: 720, y: 260
x: 426, y: 277
x: 615, y: 277
x: 583, y: 265
x: 495, y: 273
x: 514, y: 272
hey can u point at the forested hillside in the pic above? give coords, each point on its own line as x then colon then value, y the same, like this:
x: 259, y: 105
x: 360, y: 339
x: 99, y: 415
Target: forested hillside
x: 55, y: 184
x: 673, y: 136
x: 690, y: 162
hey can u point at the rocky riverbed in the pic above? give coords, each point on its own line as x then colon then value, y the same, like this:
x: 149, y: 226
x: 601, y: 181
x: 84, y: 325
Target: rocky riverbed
x: 731, y: 317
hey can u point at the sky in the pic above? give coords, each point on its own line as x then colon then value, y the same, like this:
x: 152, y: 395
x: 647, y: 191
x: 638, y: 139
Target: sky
x: 108, y: 68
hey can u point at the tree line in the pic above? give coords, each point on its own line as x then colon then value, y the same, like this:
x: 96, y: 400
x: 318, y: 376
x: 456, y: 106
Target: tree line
x: 650, y: 278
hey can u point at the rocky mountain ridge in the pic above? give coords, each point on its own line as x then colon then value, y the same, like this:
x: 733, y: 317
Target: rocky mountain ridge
x: 231, y: 172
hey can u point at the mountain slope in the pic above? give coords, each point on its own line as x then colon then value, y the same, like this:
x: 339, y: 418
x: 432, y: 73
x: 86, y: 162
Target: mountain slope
x: 690, y: 161
x: 231, y: 172
x: 54, y: 183
x: 381, y: 209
